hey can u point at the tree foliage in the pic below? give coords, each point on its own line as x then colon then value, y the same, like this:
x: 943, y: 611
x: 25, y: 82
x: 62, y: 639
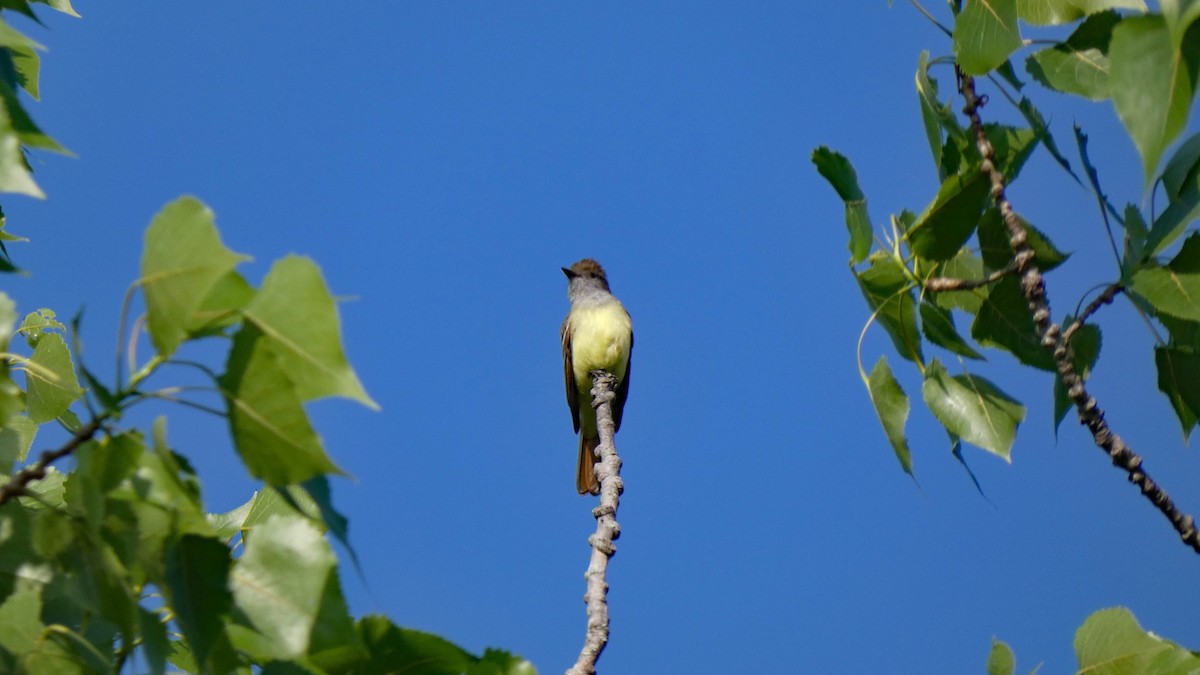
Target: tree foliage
x: 969, y: 256
x: 108, y: 558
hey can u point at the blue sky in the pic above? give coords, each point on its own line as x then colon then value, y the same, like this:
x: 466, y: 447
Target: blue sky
x: 442, y: 161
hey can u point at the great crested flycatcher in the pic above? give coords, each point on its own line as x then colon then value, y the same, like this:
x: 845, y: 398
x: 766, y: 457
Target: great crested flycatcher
x: 596, y: 335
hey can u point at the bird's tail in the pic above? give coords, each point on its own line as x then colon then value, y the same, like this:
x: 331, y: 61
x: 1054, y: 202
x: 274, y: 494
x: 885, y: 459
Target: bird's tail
x: 585, y: 476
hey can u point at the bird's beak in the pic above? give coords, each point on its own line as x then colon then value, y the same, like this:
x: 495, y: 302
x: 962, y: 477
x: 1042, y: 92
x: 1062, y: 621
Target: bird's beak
x: 569, y: 273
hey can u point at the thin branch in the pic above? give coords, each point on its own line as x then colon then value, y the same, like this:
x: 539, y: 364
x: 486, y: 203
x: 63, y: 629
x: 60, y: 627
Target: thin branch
x: 943, y: 284
x: 1034, y: 289
x: 17, y: 485
x: 609, y: 473
x: 1105, y: 298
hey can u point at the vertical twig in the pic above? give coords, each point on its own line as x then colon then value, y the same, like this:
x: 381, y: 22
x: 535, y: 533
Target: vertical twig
x: 1033, y: 287
x: 607, y: 529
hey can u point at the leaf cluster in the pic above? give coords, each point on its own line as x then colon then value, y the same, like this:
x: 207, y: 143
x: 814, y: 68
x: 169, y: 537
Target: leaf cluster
x: 926, y: 272
x: 116, y: 561
x: 113, y: 563
x: 1111, y: 641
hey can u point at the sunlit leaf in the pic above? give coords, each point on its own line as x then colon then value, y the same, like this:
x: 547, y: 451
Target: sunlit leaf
x: 1001, y: 661
x: 1179, y: 15
x: 985, y: 33
x: 280, y: 580
x: 840, y: 173
x: 182, y: 262
x: 1080, y: 64
x: 297, y: 315
x: 1174, y: 289
x: 1111, y: 641
x: 1152, y: 84
x: 50, y: 384
x: 36, y: 323
x: 1054, y: 12
x: 973, y: 408
x: 271, y: 430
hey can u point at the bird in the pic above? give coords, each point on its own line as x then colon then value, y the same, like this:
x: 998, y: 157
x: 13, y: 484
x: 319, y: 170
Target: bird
x: 596, y: 335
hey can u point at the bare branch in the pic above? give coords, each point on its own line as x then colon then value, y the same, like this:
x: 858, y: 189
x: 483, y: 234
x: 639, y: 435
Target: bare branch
x: 17, y: 485
x: 943, y: 284
x: 1105, y: 298
x: 609, y: 473
x: 1034, y: 289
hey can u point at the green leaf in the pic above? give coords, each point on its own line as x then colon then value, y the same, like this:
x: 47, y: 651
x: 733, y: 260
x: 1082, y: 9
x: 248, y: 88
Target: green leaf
x: 197, y: 570
x: 1136, y: 234
x: 1080, y: 65
x: 297, y: 315
x: 335, y: 642
x: 227, y: 525
x: 182, y: 262
x: 973, y: 409
x: 1004, y: 321
x: 36, y: 323
x: 270, y: 429
x: 997, y: 253
x: 1179, y: 15
x: 1152, y: 84
x: 1111, y: 641
x: 20, y: 619
x: 942, y: 229
x: 938, y: 326
x: 16, y: 437
x: 935, y: 115
x: 1001, y: 661
x: 1055, y: 12
x: 222, y: 306
x: 155, y: 645
x: 402, y: 650
x: 14, y: 172
x: 892, y: 407
x: 1013, y: 146
x: 1181, y: 168
x: 890, y: 295
x: 280, y: 580
x: 50, y: 382
x: 1179, y: 381
x: 1085, y: 351
x: 52, y: 534
x: 1175, y: 289
x: 1081, y: 142
x: 28, y: 66
x: 985, y: 33
x: 22, y: 124
x: 840, y: 173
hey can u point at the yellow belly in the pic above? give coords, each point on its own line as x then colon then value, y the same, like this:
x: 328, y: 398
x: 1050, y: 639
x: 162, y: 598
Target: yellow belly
x: 601, y: 339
